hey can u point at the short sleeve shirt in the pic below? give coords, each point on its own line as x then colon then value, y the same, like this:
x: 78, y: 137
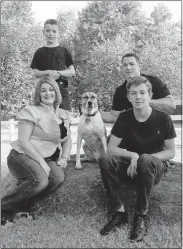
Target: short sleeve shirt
x: 143, y: 137
x: 52, y: 58
x: 121, y: 102
x: 48, y: 128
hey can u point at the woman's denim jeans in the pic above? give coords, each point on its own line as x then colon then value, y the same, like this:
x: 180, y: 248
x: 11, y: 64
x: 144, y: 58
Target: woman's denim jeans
x: 32, y: 180
x: 113, y: 170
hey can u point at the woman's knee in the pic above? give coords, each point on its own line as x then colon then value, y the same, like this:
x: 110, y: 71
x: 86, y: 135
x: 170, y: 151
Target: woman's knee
x: 57, y: 179
x: 41, y: 183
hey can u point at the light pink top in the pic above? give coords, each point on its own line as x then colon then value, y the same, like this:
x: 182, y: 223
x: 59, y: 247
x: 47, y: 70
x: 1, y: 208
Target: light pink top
x: 46, y: 132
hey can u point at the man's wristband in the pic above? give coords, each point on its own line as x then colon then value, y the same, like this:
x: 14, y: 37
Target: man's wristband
x: 64, y: 157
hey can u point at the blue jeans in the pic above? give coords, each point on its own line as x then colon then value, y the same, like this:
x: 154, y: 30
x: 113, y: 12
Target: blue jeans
x: 32, y: 180
x: 150, y: 171
x: 65, y: 97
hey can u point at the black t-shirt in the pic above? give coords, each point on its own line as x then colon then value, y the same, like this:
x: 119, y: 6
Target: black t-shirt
x: 52, y: 58
x: 121, y: 102
x: 143, y: 137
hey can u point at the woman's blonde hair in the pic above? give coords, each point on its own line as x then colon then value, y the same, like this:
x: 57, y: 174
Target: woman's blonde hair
x: 53, y: 83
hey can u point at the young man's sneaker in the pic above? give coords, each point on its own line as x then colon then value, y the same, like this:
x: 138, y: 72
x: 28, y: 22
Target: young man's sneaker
x: 26, y: 215
x: 7, y: 217
x: 117, y: 220
x: 139, y: 228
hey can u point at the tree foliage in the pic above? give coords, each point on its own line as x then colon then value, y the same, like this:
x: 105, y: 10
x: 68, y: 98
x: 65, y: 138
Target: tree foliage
x: 109, y: 29
x: 162, y: 53
x: 19, y: 38
x: 97, y: 38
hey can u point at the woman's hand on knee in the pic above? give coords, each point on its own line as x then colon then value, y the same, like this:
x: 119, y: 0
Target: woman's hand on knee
x: 62, y: 162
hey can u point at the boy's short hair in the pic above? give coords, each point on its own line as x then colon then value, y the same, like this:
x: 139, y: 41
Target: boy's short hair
x: 53, y: 83
x: 51, y: 21
x: 131, y: 55
x: 135, y: 81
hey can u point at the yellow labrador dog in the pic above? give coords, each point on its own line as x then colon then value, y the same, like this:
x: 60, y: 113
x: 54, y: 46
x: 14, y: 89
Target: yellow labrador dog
x: 90, y: 128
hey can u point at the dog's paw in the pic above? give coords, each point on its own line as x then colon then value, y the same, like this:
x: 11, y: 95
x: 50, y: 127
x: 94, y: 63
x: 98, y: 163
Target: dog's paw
x: 78, y: 166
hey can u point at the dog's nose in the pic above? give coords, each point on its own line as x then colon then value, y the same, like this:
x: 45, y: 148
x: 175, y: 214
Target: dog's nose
x: 89, y: 103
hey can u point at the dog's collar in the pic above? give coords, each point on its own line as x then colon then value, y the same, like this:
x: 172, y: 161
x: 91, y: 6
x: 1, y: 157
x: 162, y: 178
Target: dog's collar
x: 91, y: 115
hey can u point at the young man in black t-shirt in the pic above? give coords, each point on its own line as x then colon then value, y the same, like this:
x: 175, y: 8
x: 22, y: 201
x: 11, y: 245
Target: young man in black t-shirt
x: 141, y: 143
x: 54, y: 60
x: 161, y: 97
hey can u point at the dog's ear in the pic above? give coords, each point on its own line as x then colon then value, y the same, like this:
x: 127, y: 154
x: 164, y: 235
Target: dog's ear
x: 80, y: 104
x: 79, y: 107
x: 80, y: 99
x: 96, y: 95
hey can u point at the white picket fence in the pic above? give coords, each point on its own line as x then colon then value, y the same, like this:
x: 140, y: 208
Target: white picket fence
x: 9, y: 129
x: 10, y: 126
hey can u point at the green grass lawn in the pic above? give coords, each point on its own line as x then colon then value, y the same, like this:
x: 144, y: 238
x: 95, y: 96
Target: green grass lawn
x: 73, y: 216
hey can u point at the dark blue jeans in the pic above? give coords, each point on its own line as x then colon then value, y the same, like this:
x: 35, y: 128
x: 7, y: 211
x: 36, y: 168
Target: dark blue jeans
x: 32, y: 180
x: 65, y: 97
x: 113, y: 170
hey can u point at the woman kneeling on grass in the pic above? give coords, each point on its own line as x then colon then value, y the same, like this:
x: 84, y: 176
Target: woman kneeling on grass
x: 43, y: 144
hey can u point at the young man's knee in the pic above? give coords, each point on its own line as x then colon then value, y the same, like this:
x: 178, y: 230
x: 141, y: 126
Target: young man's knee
x: 144, y: 158
x: 143, y: 162
x: 104, y: 161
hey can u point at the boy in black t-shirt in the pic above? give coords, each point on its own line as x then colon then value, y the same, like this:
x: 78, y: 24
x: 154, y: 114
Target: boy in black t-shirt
x: 55, y: 61
x: 141, y: 143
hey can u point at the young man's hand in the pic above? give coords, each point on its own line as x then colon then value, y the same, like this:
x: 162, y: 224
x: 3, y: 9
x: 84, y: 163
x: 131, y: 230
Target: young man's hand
x: 132, y: 169
x: 53, y: 74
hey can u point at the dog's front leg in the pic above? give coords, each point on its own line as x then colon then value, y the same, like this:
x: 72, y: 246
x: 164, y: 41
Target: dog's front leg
x: 78, y: 162
x: 104, y: 142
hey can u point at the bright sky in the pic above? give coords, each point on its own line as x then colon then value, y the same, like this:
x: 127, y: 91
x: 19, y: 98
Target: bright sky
x: 48, y: 9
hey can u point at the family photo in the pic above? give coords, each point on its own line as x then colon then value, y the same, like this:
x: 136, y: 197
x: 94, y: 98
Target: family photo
x: 91, y: 124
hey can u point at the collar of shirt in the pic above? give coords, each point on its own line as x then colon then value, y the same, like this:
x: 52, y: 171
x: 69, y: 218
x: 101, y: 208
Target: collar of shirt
x: 49, y: 108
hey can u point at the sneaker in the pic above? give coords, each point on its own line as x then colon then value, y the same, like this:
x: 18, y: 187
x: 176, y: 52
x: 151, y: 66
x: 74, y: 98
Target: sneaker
x: 7, y: 217
x: 26, y: 215
x: 117, y: 220
x: 139, y: 228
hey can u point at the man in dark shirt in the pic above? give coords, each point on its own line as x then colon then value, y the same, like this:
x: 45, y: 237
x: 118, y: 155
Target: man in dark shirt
x: 141, y: 143
x: 161, y: 98
x: 54, y: 60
